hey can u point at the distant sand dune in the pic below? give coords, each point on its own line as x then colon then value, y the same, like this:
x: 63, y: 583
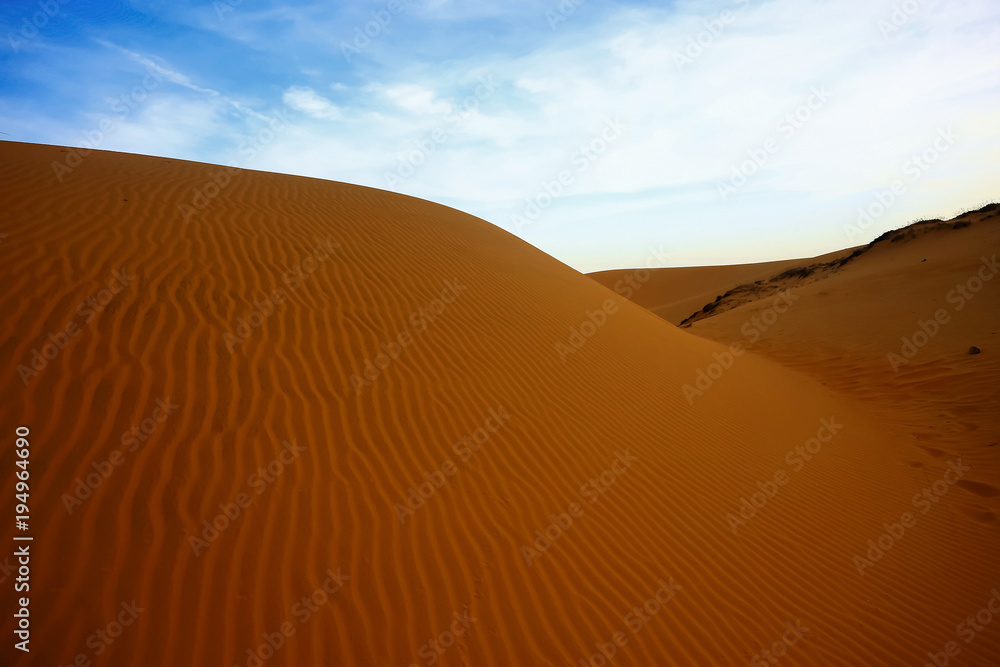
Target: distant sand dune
x: 675, y: 293
x: 442, y: 360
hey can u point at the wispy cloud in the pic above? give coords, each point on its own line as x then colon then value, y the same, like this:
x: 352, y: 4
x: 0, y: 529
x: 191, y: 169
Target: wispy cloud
x: 181, y: 79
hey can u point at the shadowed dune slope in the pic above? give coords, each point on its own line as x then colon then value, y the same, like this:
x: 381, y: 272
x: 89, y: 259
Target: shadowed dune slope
x: 206, y: 397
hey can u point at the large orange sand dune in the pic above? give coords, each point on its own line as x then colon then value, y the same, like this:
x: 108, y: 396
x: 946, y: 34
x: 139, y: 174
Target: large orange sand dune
x: 252, y: 317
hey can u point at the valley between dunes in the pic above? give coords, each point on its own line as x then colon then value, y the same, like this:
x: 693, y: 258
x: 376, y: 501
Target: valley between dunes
x: 423, y: 441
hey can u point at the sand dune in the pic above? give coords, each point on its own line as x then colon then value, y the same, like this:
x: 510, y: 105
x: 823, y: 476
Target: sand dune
x: 675, y: 293
x: 894, y: 328
x: 297, y: 361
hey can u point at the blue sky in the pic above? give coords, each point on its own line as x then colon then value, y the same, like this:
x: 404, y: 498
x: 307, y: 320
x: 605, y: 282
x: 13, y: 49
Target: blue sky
x: 608, y: 134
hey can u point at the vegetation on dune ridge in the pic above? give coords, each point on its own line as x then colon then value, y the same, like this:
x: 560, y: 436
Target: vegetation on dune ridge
x: 819, y: 270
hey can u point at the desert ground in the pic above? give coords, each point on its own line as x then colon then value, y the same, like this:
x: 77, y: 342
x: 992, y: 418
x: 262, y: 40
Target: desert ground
x: 275, y: 420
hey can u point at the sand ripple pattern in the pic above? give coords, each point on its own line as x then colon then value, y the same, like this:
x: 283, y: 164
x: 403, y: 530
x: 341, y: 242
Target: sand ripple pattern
x: 318, y: 558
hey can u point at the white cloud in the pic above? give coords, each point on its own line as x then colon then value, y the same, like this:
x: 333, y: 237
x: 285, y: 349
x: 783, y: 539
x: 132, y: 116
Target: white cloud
x: 308, y: 101
x: 415, y: 99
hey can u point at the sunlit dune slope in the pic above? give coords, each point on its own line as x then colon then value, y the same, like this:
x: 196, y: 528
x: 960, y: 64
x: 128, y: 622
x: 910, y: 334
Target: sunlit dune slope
x: 329, y: 425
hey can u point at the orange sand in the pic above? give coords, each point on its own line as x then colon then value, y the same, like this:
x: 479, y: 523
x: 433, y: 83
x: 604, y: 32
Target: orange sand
x: 490, y: 398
